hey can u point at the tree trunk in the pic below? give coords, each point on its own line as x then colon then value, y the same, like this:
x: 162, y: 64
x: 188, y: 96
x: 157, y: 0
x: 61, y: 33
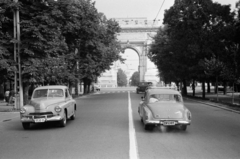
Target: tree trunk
x: 193, y: 88
x: 25, y: 93
x: 184, y: 89
x: 233, y: 93
x: 84, y: 87
x: 203, y: 89
x: 224, y: 87
x: 76, y: 86
x: 216, y: 87
x: 208, y: 87
x: 177, y: 85
x: 70, y: 88
x: 89, y: 85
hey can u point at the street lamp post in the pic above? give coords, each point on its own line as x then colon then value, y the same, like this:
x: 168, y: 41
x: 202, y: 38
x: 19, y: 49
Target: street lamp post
x: 17, y: 58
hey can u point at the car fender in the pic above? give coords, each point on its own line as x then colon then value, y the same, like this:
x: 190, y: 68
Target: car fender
x: 147, y: 114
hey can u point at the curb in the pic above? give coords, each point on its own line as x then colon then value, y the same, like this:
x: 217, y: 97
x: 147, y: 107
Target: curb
x: 214, y: 105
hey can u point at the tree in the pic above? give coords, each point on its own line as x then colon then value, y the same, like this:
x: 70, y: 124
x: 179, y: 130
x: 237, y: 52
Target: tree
x: 135, y: 79
x: 61, y: 41
x: 95, y: 39
x: 121, y: 78
x: 193, y: 31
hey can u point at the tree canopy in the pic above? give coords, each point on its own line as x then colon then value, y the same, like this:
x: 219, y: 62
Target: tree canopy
x: 135, y: 79
x: 193, y: 33
x: 61, y: 41
x: 121, y: 78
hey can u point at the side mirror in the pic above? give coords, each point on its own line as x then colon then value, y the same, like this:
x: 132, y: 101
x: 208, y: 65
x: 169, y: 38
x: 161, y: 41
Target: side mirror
x: 142, y: 98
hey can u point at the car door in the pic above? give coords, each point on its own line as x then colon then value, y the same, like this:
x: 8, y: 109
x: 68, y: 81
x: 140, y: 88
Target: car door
x: 70, y: 103
x: 67, y: 103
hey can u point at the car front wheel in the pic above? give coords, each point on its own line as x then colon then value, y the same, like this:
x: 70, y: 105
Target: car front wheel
x: 63, y: 122
x: 74, y: 115
x: 26, y: 126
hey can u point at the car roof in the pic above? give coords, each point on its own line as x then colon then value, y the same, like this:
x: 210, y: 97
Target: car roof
x: 162, y: 91
x: 52, y: 86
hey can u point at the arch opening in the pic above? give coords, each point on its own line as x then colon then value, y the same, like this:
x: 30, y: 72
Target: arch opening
x: 131, y: 63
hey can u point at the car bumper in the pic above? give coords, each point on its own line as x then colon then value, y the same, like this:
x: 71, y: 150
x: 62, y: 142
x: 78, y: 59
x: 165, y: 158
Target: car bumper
x: 161, y: 122
x: 33, y: 119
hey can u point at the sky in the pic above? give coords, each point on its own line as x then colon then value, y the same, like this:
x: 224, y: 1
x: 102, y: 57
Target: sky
x: 141, y: 8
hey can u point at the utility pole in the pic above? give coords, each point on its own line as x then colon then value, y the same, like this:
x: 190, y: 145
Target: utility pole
x: 17, y: 57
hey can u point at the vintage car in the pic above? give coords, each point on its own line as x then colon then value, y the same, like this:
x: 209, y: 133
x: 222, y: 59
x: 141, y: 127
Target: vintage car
x: 49, y: 104
x: 142, y: 86
x: 163, y: 106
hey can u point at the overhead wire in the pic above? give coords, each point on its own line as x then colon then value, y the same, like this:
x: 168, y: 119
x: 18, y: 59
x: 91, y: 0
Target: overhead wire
x: 158, y: 12
x: 156, y: 17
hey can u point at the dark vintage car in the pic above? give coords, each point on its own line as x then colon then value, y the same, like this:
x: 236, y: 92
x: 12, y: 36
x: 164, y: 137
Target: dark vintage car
x: 49, y: 104
x: 163, y: 106
x: 142, y: 86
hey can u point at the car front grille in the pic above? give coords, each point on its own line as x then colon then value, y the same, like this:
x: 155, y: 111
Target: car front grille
x: 41, y: 114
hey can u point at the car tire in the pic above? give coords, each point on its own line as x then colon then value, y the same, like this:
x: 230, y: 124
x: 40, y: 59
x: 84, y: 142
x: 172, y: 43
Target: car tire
x: 26, y: 126
x: 141, y: 119
x: 74, y: 115
x: 63, y: 122
x: 183, y: 127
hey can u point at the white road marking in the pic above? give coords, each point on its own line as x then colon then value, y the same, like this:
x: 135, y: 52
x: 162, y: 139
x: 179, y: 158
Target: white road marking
x: 133, y: 151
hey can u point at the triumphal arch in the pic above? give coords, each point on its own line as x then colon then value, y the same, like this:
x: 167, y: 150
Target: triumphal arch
x: 136, y: 34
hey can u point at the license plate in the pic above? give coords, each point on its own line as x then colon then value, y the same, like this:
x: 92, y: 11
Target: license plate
x: 40, y: 120
x: 169, y: 123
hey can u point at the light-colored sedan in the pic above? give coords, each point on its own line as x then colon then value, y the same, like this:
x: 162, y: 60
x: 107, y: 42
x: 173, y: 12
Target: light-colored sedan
x: 162, y: 106
x: 49, y: 104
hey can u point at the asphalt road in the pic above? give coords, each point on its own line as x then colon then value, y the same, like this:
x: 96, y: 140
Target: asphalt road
x: 101, y: 131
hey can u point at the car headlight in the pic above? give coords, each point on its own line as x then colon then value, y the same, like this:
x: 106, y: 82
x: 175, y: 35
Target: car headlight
x: 23, y: 110
x: 58, y: 109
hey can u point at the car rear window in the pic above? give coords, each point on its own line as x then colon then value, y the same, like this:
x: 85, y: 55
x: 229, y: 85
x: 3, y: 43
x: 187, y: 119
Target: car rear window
x: 164, y: 97
x: 143, y: 84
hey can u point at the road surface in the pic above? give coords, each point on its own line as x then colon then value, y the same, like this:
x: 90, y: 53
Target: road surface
x: 107, y: 126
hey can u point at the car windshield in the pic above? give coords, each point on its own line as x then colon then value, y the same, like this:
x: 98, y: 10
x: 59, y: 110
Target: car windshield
x: 165, y: 97
x: 41, y: 93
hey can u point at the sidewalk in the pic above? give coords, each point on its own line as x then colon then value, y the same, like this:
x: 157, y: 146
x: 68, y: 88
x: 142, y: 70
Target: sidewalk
x: 5, y: 107
x: 220, y: 101
x: 7, y: 112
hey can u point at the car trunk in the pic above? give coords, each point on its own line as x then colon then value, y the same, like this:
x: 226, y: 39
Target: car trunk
x: 167, y: 110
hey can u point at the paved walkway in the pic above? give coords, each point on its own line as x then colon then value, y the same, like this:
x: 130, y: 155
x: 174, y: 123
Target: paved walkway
x: 229, y: 101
